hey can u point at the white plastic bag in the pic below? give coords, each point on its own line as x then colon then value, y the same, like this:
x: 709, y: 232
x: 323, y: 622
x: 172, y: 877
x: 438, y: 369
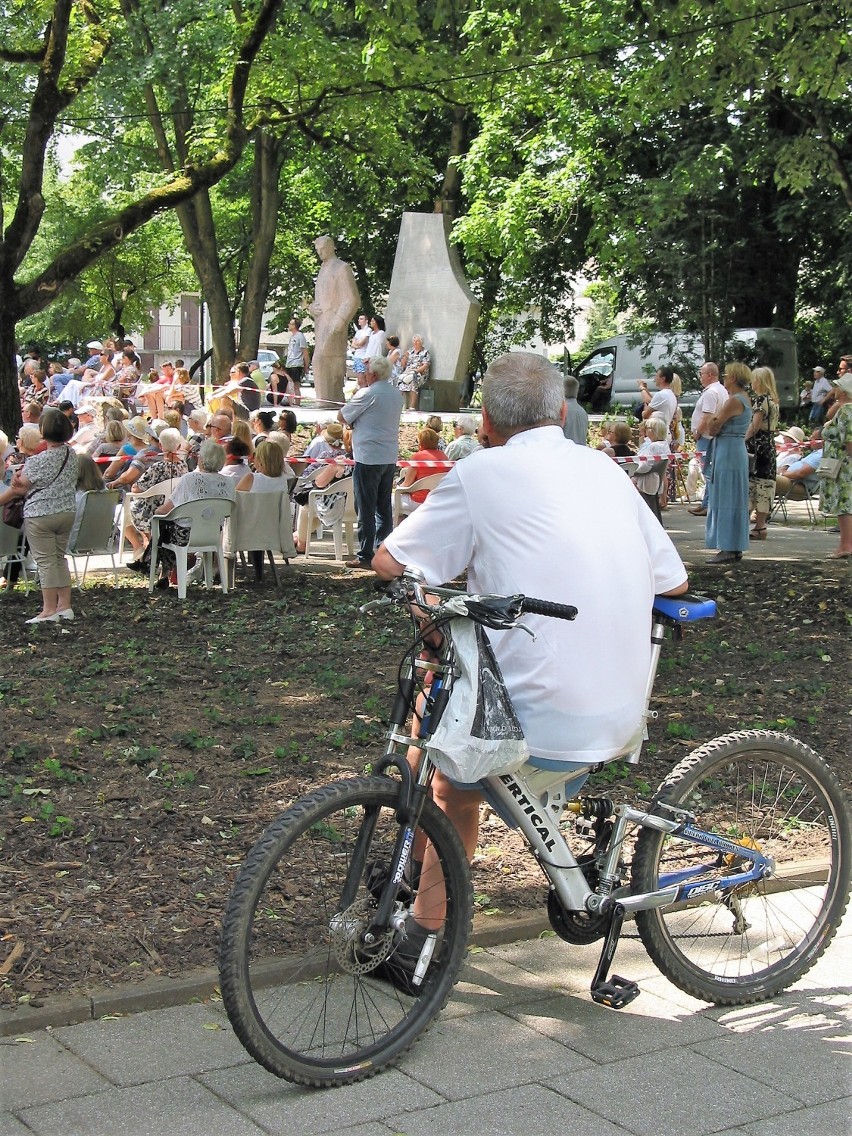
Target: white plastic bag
x: 479, y: 734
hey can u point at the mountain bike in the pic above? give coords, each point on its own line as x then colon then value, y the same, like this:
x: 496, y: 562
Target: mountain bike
x: 738, y: 878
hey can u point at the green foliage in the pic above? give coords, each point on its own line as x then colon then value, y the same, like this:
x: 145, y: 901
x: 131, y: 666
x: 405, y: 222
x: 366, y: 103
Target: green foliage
x: 693, y: 157
x: 245, y: 749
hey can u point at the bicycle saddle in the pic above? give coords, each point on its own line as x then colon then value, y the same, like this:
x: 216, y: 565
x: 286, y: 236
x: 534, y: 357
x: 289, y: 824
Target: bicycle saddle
x: 685, y: 608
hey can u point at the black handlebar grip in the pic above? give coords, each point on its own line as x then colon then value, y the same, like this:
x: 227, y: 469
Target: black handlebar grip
x: 546, y: 607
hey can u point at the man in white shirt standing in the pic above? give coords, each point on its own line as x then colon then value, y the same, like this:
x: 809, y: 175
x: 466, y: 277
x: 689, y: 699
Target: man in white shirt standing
x: 709, y: 401
x: 663, y: 402
x: 359, y: 343
x: 531, y: 513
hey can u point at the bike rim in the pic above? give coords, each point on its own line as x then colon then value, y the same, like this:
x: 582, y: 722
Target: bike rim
x: 310, y: 993
x: 762, y: 929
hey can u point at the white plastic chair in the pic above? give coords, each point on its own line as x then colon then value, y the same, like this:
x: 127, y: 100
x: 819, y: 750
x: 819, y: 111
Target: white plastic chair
x: 341, y: 518
x: 161, y: 489
x: 402, y: 499
x: 13, y: 549
x: 95, y: 532
x: 206, y: 519
x: 259, y: 522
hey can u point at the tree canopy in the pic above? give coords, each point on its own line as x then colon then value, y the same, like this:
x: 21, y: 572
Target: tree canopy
x: 694, y: 155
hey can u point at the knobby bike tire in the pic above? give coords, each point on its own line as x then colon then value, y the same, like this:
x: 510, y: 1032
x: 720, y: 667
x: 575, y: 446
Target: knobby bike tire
x: 762, y: 787
x: 297, y: 990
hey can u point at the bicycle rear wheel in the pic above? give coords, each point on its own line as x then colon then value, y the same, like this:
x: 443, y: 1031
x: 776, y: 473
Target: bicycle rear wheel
x: 297, y: 984
x: 769, y: 792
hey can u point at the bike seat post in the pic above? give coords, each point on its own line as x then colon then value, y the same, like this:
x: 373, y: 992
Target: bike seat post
x: 658, y: 635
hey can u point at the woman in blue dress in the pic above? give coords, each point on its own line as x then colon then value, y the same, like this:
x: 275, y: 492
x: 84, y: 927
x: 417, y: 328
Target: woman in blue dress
x: 727, y: 517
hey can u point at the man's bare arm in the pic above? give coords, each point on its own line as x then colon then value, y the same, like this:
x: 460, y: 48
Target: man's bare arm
x: 386, y: 566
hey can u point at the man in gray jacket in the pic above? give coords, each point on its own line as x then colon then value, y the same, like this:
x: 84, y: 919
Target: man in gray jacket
x: 576, y: 428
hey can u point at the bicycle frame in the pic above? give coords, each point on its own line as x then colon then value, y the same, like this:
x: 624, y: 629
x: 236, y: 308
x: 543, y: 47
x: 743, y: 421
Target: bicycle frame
x: 534, y: 801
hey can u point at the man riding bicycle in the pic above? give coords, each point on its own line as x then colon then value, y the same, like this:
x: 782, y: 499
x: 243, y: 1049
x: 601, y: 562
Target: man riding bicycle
x: 536, y: 514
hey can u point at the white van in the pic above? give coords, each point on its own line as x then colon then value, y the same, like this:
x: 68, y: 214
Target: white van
x: 633, y: 357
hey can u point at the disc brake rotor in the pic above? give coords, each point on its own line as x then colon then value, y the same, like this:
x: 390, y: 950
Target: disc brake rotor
x: 347, y: 927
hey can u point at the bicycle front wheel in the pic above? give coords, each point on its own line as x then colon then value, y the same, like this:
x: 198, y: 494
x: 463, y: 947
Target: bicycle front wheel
x: 298, y: 985
x: 772, y: 793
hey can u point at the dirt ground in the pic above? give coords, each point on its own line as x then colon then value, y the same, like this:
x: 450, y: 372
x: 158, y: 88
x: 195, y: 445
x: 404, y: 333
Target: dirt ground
x: 146, y: 745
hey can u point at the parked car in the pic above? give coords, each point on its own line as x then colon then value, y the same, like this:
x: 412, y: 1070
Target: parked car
x: 633, y: 357
x: 266, y: 361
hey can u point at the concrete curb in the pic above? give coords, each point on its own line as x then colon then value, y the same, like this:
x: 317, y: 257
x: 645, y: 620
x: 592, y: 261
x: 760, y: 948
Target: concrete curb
x: 158, y: 993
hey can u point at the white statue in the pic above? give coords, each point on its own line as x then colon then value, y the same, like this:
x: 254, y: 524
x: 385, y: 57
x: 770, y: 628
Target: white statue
x: 336, y: 301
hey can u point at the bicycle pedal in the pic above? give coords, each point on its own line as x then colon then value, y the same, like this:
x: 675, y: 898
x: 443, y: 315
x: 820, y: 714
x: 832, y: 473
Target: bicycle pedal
x: 615, y: 992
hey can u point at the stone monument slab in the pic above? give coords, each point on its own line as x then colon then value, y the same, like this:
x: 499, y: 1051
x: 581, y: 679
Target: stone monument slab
x: 430, y: 296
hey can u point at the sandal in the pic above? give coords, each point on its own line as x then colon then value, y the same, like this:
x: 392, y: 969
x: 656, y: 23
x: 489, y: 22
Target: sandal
x: 724, y: 558
x: 757, y: 534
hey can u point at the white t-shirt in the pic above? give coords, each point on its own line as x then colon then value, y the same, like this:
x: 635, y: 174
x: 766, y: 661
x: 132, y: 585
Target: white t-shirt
x: 263, y: 483
x: 821, y: 388
x: 377, y: 345
x: 664, y: 404
x: 202, y: 486
x: 557, y: 522
x: 360, y: 340
x: 711, y: 399
x: 652, y: 450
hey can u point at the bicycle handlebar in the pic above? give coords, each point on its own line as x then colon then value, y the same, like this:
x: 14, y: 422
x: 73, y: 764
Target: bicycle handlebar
x: 547, y: 607
x: 490, y: 610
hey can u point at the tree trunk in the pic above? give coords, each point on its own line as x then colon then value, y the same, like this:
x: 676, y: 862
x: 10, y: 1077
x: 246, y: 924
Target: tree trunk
x: 449, y: 202
x: 199, y: 234
x: 265, y: 199
x: 10, y: 401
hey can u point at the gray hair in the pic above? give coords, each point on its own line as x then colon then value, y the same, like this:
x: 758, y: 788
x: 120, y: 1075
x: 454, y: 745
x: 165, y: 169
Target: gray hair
x: 280, y: 439
x: 467, y: 424
x: 199, y: 417
x: 211, y: 456
x: 380, y: 367
x: 170, y: 440
x: 571, y: 386
x: 656, y: 428
x: 29, y: 437
x: 522, y: 389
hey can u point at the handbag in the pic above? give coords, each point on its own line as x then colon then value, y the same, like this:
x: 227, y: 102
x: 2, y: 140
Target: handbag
x: 829, y: 468
x: 13, y: 511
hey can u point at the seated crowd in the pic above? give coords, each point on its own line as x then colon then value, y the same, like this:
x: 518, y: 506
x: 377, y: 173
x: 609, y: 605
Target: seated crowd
x: 135, y: 436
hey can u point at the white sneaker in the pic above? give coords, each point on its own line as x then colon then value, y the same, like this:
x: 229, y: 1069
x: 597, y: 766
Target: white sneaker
x: 196, y: 573
x: 66, y: 613
x: 43, y: 619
